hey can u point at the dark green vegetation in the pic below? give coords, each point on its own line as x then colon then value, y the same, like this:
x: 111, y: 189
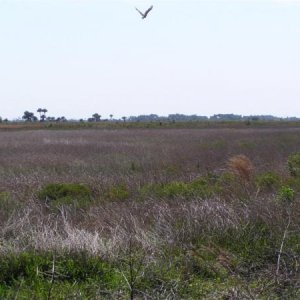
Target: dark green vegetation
x: 58, y: 194
x: 199, y: 213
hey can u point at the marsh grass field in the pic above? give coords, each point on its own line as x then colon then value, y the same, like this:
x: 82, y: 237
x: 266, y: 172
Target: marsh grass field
x: 150, y: 213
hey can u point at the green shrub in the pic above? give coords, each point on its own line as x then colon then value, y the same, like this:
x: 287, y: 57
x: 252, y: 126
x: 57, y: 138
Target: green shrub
x: 65, y: 194
x: 267, y: 181
x: 252, y: 244
x: 33, y: 268
x: 81, y: 267
x: 204, y: 187
x: 167, y: 190
x: 286, y: 194
x: 14, y: 267
x: 173, y: 189
x: 294, y: 183
x: 118, y: 192
x: 294, y: 164
x: 200, y: 187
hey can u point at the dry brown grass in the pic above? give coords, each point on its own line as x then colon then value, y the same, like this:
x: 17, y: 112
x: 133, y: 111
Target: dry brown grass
x: 103, y: 158
x: 30, y: 159
x: 104, y: 230
x: 241, y: 166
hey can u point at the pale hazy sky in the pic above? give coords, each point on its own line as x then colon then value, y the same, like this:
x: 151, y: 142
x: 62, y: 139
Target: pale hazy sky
x: 78, y: 57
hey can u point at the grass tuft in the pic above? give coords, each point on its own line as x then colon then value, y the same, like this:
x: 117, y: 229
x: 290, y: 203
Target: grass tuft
x: 241, y: 166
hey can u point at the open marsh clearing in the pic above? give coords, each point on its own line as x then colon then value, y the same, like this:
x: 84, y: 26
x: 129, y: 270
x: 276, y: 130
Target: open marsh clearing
x: 150, y: 213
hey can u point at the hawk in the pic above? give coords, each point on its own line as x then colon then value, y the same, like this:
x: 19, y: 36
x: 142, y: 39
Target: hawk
x: 144, y: 15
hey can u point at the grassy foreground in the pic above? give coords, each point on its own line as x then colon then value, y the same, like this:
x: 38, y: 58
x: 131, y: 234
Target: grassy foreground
x: 207, y: 213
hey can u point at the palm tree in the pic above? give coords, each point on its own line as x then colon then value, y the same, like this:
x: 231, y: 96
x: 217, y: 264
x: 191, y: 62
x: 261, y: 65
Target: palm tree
x: 97, y: 117
x: 42, y: 116
x: 40, y: 110
x: 29, y: 116
x: 44, y: 110
x: 111, y: 116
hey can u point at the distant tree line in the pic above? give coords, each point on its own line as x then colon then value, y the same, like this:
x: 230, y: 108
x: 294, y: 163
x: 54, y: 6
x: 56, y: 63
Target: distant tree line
x: 3, y: 120
x: 30, y: 117
x: 96, y: 117
x: 216, y: 117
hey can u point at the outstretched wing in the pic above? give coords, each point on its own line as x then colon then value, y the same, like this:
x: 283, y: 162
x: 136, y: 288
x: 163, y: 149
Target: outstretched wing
x: 148, y: 10
x: 140, y: 12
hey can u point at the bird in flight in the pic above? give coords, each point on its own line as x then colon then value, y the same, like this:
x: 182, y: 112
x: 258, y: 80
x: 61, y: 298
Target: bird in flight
x: 144, y: 15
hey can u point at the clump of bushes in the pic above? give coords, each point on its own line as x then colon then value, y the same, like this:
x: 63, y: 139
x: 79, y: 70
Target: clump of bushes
x: 252, y: 245
x: 75, y: 267
x: 205, y: 186
x: 118, y: 192
x: 57, y: 194
x: 168, y: 190
x: 173, y: 189
x: 268, y: 181
x: 201, y: 187
x: 294, y: 164
x: 286, y: 194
